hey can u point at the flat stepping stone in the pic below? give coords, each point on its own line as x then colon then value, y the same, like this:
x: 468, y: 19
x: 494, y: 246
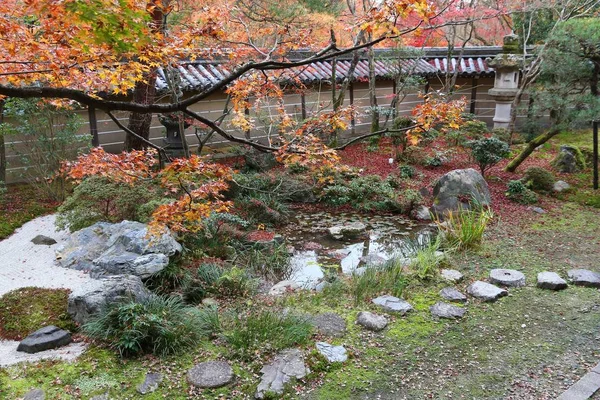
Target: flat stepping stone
x: 393, y: 304
x: 287, y: 365
x: 283, y: 287
x: 486, y: 291
x: 35, y: 394
x: 452, y: 294
x: 445, y: 310
x: 507, y: 277
x: 49, y: 337
x: 43, y: 240
x: 451, y: 275
x: 584, y: 277
x: 330, y: 324
x: 371, y: 322
x: 210, y: 374
x: 550, y: 280
x: 332, y: 353
x: 150, y: 384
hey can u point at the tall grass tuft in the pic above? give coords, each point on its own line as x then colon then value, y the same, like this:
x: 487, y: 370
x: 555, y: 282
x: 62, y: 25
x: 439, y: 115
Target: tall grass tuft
x: 427, y: 260
x: 266, y: 331
x: 464, y: 229
x: 157, y: 325
x: 390, y: 278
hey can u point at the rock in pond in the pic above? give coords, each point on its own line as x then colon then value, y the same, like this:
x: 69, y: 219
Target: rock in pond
x: 393, y: 304
x: 370, y: 321
x: 330, y: 324
x: 423, y: 213
x: 35, y: 394
x: 459, y: 190
x: 125, y: 248
x: 452, y: 294
x: 46, y: 338
x: 507, y: 277
x: 43, y: 240
x: 584, y: 277
x: 91, y: 298
x: 287, y: 365
x: 283, y: 287
x: 210, y: 374
x: 550, y: 280
x: 451, y: 275
x: 485, y: 291
x: 347, y: 231
x: 448, y: 311
x: 150, y: 384
x: 332, y: 353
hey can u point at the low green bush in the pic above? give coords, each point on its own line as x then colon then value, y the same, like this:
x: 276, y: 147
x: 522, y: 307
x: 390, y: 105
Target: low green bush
x: 367, y: 193
x: 156, y: 324
x: 488, y: 152
x: 518, y: 192
x: 202, y: 283
x: 407, y: 171
x: 266, y: 332
x: 538, y: 179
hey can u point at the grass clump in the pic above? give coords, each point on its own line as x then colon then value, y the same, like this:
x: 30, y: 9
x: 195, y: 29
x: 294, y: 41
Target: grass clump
x: 157, y: 325
x: 266, y: 331
x: 389, y: 278
x: 26, y: 310
x: 464, y: 229
x: 427, y: 261
x: 269, y: 261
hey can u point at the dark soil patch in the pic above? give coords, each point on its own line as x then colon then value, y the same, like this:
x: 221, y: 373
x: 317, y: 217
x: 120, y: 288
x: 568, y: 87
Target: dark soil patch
x: 26, y: 310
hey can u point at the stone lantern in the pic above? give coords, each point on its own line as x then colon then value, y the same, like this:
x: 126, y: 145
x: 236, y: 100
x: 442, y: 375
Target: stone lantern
x: 173, y: 140
x: 507, y: 65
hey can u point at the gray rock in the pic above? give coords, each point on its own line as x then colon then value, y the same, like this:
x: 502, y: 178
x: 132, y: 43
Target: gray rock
x: 287, y: 365
x: 537, y: 210
x: 550, y: 280
x: 125, y: 248
x: 507, y: 277
x: 568, y: 160
x: 459, y: 190
x: 283, y: 287
x: 485, y: 291
x: 561, y: 186
x: 46, y: 338
x: 321, y: 286
x: 332, y: 353
x: 373, y: 260
x: 150, y: 384
x: 451, y: 275
x: 393, y: 304
x: 584, y: 277
x: 347, y: 231
x: 452, y: 294
x: 89, y: 299
x: 35, y: 394
x: 101, y: 397
x: 330, y: 324
x: 445, y: 310
x: 423, y: 213
x: 43, y: 240
x: 370, y: 321
x: 210, y: 374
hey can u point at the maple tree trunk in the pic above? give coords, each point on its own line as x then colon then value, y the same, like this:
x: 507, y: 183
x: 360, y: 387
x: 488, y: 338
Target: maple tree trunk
x: 145, y: 93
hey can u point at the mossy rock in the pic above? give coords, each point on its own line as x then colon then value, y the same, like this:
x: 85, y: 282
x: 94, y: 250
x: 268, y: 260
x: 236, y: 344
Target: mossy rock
x: 570, y: 159
x: 539, y: 179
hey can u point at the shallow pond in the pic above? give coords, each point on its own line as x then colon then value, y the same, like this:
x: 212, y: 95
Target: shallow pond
x: 315, y: 251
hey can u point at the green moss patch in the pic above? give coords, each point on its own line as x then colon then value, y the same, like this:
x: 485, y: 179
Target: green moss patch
x: 26, y: 310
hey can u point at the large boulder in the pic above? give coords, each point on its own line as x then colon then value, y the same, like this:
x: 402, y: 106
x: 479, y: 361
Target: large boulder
x: 125, y: 248
x: 569, y: 160
x: 460, y: 189
x: 92, y: 297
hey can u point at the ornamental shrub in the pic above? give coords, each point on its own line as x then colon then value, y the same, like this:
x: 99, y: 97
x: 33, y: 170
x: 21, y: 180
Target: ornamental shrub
x: 518, y: 192
x: 488, y: 152
x: 364, y: 193
x: 539, y: 179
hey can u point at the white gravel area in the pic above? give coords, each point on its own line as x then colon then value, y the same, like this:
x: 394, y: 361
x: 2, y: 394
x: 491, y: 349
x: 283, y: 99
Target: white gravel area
x: 10, y: 356
x: 23, y: 263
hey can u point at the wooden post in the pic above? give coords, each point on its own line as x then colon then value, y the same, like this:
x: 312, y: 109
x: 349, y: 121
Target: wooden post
x: 473, y: 105
x: 93, y: 126
x: 247, y: 132
x: 303, y: 105
x: 427, y: 87
x: 394, y: 92
x: 595, y: 157
x: 352, y: 119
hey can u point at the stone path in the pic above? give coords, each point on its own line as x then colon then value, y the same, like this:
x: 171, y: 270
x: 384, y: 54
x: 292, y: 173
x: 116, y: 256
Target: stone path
x: 23, y: 263
x: 585, y: 387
